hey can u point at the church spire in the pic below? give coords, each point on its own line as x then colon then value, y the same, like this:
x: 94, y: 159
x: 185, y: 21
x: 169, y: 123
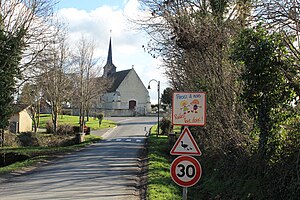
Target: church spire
x: 109, y: 67
x: 109, y: 56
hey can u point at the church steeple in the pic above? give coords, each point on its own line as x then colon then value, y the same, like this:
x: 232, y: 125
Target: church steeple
x: 109, y: 56
x: 109, y: 67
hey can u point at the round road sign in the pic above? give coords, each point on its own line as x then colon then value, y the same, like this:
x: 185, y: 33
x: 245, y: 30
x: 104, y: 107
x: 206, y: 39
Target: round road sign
x: 185, y: 171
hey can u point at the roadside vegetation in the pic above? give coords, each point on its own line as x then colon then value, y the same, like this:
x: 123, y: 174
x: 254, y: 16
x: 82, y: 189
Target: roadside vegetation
x: 33, y: 155
x: 24, y: 150
x: 215, y: 183
x: 160, y: 185
x: 245, y: 56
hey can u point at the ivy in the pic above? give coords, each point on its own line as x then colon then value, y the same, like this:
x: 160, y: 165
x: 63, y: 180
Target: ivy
x: 266, y: 89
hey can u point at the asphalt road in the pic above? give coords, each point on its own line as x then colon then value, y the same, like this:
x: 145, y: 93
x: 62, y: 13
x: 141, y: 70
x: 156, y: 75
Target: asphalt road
x: 105, y: 170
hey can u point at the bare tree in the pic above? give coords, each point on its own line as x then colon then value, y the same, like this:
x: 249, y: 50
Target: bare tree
x: 193, y: 37
x: 24, y: 25
x: 35, y: 17
x: 91, y: 85
x: 54, y: 68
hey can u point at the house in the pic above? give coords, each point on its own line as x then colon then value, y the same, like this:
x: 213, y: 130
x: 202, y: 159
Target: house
x: 21, y: 120
x: 127, y: 95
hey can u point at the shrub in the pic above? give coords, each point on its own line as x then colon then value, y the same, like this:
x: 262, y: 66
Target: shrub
x: 100, y: 117
x: 65, y: 129
x: 29, y: 139
x: 11, y: 139
x: 49, y: 127
x: 165, y: 125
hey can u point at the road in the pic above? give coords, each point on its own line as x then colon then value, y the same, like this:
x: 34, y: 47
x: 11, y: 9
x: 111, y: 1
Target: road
x: 105, y: 170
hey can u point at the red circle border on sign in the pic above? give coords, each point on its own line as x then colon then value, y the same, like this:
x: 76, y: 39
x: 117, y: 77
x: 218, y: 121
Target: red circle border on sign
x: 195, y: 163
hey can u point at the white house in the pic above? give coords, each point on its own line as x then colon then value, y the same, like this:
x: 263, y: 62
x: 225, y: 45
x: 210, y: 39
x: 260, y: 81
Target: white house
x: 127, y: 95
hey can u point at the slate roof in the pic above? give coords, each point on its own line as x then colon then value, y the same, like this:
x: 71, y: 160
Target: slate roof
x: 117, y: 79
x: 19, y: 107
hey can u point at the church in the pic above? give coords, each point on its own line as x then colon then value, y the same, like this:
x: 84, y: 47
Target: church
x: 126, y: 95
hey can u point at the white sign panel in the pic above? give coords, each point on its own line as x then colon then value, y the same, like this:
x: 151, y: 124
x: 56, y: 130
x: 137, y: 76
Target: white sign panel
x: 189, y: 108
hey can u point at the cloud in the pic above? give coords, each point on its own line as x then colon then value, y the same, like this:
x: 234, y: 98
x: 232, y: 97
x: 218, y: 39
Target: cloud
x: 127, y: 40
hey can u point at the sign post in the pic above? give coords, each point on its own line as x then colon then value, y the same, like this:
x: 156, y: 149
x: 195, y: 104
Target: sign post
x: 184, y: 193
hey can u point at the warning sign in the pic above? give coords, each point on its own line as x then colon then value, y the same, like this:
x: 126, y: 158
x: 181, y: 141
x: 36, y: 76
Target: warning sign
x: 185, y: 145
x: 189, y: 109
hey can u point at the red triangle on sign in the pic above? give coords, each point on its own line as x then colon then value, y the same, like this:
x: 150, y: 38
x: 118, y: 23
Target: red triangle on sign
x: 185, y: 145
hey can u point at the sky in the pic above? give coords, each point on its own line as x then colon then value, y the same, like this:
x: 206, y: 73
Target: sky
x: 101, y: 19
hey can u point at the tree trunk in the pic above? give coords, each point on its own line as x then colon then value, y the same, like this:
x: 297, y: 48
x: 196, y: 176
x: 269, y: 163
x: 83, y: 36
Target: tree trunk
x: 264, y: 126
x: 55, y: 118
x: 2, y: 137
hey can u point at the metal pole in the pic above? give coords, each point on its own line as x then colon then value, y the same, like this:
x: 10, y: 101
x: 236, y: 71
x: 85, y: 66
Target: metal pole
x: 184, y: 193
x: 158, y: 93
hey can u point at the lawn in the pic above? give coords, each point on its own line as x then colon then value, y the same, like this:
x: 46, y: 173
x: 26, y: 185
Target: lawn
x: 74, y: 121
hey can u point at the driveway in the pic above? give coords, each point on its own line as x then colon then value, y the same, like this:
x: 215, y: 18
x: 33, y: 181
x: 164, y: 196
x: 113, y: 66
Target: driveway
x: 105, y: 170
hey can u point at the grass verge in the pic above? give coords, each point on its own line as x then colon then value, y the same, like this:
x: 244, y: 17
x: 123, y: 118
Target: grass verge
x: 41, y: 154
x: 74, y: 121
x: 160, y: 184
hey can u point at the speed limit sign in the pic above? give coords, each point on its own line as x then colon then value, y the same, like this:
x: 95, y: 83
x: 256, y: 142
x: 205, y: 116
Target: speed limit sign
x: 185, y: 171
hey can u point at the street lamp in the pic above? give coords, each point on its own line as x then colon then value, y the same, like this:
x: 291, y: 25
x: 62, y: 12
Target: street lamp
x: 158, y: 93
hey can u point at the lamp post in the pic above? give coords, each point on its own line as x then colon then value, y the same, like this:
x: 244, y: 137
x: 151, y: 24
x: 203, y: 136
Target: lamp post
x: 158, y: 93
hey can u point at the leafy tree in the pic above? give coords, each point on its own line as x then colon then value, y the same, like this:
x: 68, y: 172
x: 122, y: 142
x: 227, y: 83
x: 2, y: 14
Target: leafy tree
x: 23, y: 35
x: 266, y: 89
x: 11, y: 47
x: 166, y: 96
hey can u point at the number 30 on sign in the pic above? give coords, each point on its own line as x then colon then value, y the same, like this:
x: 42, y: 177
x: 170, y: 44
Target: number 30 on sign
x: 185, y: 171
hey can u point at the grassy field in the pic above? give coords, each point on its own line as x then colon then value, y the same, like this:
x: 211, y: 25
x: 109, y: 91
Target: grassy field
x: 40, y: 154
x: 74, y: 121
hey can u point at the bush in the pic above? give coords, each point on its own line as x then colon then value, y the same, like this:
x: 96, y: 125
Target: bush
x: 11, y: 139
x: 49, y: 127
x: 165, y: 125
x: 63, y: 129
x: 100, y: 117
x: 28, y: 139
